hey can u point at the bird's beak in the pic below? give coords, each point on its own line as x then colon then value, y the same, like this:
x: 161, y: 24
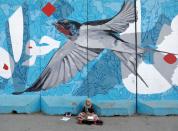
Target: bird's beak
x: 61, y: 29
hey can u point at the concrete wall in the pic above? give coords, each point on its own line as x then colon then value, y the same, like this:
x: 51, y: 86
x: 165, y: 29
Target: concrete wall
x: 29, y: 41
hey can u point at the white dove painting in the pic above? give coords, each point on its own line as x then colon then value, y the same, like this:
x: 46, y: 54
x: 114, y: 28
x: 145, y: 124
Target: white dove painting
x: 34, y: 51
x: 153, y: 75
x: 169, y: 43
x: 6, y: 64
x: 157, y: 83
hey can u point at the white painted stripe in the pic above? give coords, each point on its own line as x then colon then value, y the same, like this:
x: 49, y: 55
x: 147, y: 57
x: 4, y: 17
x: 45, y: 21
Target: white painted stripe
x: 16, y: 33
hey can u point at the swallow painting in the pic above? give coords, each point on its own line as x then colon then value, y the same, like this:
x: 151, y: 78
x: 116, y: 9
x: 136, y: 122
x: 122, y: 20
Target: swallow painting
x: 85, y: 42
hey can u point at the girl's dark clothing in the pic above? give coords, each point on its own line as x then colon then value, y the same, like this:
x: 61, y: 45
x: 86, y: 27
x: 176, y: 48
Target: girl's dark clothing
x: 90, y: 109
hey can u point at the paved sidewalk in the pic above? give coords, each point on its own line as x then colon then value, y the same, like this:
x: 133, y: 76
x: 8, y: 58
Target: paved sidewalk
x: 40, y: 122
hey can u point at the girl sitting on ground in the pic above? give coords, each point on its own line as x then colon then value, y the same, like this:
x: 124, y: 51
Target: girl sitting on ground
x: 88, y: 116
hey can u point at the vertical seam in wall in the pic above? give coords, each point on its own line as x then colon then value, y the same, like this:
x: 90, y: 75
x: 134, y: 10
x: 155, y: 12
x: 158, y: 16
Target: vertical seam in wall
x: 136, y: 41
x: 41, y: 4
x: 87, y: 52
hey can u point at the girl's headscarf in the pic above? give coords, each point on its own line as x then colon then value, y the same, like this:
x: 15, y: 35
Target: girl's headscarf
x: 87, y: 106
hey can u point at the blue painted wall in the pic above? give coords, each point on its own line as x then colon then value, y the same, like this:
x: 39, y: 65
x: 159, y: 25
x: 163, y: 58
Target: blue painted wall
x: 100, y: 79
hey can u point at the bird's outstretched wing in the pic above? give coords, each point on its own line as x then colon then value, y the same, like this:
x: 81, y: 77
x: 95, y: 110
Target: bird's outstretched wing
x: 65, y: 63
x: 120, y: 22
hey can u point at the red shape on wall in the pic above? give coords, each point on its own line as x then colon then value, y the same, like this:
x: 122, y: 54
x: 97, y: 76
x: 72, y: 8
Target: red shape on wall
x: 5, y: 67
x: 170, y: 58
x: 48, y: 9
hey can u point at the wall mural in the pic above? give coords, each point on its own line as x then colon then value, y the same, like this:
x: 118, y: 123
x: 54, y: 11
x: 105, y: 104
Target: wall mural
x: 94, y: 48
